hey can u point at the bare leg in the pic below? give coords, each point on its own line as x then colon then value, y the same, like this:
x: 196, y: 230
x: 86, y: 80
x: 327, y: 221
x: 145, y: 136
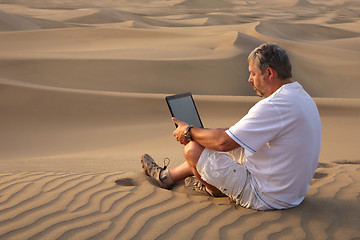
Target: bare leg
x: 192, y: 154
x: 181, y: 172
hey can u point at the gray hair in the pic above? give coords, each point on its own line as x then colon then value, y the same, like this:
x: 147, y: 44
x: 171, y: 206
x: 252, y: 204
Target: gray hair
x: 271, y: 55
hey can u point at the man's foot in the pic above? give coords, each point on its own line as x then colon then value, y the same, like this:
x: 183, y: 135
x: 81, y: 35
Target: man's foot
x: 194, y: 184
x: 153, y: 170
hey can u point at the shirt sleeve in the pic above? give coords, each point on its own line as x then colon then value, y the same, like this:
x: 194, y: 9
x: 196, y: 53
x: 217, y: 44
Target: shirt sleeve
x: 262, y: 123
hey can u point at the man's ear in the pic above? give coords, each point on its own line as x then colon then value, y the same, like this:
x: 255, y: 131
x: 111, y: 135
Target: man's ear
x: 270, y: 72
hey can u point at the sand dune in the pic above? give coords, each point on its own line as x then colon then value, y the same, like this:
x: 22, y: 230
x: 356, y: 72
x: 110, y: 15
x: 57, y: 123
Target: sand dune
x: 200, y: 4
x: 301, y: 32
x: 13, y: 22
x: 116, y: 16
x: 68, y: 205
x: 82, y: 88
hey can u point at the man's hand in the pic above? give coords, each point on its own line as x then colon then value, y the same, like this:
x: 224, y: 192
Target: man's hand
x: 179, y: 132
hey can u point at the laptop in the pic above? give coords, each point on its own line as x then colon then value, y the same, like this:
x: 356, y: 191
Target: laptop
x: 182, y: 107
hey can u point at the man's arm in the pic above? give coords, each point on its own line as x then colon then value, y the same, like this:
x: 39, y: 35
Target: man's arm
x: 216, y: 139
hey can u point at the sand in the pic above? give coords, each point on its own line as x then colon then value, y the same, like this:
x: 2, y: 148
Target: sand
x: 82, y: 88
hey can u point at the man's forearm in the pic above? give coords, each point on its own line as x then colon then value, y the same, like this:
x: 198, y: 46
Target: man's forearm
x: 216, y: 139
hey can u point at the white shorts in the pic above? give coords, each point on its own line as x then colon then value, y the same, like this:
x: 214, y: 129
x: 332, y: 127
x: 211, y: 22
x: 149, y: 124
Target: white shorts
x: 224, y: 171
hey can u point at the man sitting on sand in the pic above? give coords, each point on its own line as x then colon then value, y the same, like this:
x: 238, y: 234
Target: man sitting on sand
x: 267, y: 159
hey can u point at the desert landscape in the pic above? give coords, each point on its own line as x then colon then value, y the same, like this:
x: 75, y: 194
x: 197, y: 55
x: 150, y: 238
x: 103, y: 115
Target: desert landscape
x: 82, y: 97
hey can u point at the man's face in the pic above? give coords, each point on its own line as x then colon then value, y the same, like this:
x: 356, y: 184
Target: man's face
x: 258, y: 80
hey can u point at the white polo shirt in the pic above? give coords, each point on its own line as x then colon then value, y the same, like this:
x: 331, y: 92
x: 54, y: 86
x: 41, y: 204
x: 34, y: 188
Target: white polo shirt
x: 281, y: 135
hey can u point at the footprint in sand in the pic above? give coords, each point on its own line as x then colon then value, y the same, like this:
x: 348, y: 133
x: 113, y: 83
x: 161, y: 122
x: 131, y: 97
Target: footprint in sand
x: 125, y: 182
x: 319, y: 175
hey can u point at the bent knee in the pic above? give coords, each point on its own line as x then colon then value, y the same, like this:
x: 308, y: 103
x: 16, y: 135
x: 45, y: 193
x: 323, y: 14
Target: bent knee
x: 192, y: 152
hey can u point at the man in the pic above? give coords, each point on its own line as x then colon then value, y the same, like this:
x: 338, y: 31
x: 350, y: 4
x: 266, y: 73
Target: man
x: 267, y: 159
